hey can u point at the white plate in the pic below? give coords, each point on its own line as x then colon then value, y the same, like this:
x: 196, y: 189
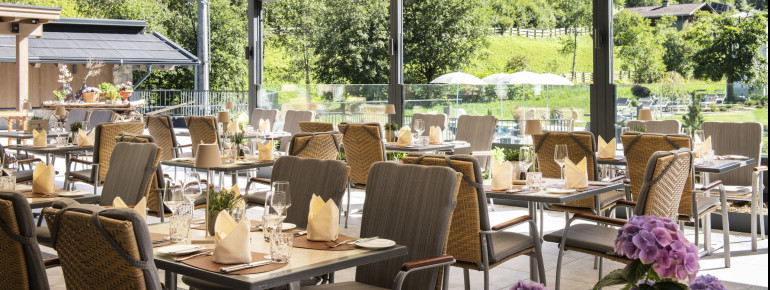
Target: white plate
x: 176, y: 250
x: 72, y: 194
x: 288, y: 226
x: 376, y: 244
x: 561, y: 190
x: 737, y: 157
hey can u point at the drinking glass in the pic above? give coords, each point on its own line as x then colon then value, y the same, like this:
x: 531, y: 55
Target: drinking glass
x: 237, y: 213
x: 192, y: 186
x: 700, y: 136
x: 280, y: 247
x: 526, y: 158
x: 174, y: 199
x: 560, y: 155
x: 85, y: 126
x: 534, y: 180
x: 11, y: 163
x: 284, y: 198
x: 419, y: 126
x: 179, y: 224
x: 7, y: 183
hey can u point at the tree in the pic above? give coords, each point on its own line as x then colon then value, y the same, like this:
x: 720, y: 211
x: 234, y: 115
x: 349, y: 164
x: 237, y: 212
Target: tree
x: 639, y: 47
x: 352, y: 47
x: 729, y: 48
x: 693, y: 119
x: 294, y: 24
x: 517, y: 63
x: 573, y: 14
x: 678, y: 56
x: 638, y: 3
x: 440, y: 36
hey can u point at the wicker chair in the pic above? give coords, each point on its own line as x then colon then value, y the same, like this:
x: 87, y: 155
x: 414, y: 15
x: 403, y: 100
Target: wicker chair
x: 97, y: 117
x: 263, y: 114
x: 161, y: 128
x: 659, y: 127
x: 439, y: 120
x: 419, y: 203
x: 665, y: 178
x: 479, y: 131
x: 202, y: 130
x: 744, y: 183
x: 22, y: 264
x: 639, y: 147
x: 117, y: 254
x: 472, y: 241
x: 324, y: 145
x: 579, y: 145
x: 312, y: 127
x: 291, y: 125
x: 22, y: 176
x: 363, y: 147
x: 104, y: 143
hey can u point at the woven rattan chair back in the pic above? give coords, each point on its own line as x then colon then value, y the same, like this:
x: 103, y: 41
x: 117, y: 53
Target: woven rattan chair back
x: 363, y: 147
x: 104, y: 248
x: 639, y: 147
x: 411, y: 205
x: 324, y: 145
x: 162, y: 130
x: 104, y: 142
x: 664, y: 181
x: 479, y: 131
x: 202, y: 130
x: 470, y: 215
x: 312, y: 127
x: 75, y: 116
x: 580, y: 144
x: 736, y: 138
x: 429, y: 120
x: 21, y: 263
x: 263, y: 114
x: 291, y: 125
x: 658, y: 127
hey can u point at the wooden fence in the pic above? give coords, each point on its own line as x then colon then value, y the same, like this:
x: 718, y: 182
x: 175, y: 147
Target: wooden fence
x: 587, y: 77
x: 542, y: 33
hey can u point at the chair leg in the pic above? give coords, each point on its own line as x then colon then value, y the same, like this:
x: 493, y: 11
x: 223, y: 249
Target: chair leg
x: 492, y: 204
x: 707, y: 233
x: 697, y: 232
x: 467, y: 278
x: 601, y: 268
x: 347, y: 211
x: 725, y: 226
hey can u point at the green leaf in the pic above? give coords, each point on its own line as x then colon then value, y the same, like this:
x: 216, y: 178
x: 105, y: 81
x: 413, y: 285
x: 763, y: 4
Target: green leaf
x: 669, y: 285
x: 613, y: 278
x: 636, y: 271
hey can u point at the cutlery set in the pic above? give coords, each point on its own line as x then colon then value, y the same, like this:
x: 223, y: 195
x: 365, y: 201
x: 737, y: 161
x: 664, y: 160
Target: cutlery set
x: 350, y: 242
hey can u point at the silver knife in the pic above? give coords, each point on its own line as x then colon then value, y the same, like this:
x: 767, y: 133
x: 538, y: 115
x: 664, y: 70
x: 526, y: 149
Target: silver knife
x: 245, y: 266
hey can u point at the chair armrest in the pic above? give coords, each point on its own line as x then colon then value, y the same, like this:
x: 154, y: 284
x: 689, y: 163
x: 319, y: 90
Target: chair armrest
x: 482, y: 153
x: 760, y: 168
x: 711, y: 185
x: 184, y: 146
x: 429, y: 262
x: 52, y: 262
x: 29, y: 160
x: 626, y: 203
x: 510, y: 223
x: 601, y: 219
x: 259, y: 180
x: 81, y: 161
x: 619, y: 178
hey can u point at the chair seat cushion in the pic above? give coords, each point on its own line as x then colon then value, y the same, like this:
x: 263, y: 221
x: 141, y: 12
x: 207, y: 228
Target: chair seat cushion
x: 259, y: 198
x: 706, y: 202
x: 506, y: 244
x: 202, y: 284
x: 43, y: 236
x: 23, y: 176
x: 84, y: 174
x: 343, y: 286
x: 606, y: 199
x: 587, y: 236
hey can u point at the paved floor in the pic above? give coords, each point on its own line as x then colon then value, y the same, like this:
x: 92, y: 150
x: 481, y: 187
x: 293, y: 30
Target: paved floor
x: 749, y: 269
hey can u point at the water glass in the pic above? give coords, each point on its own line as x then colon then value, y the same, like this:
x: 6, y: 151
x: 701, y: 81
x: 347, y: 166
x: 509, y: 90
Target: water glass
x: 7, y: 183
x: 415, y: 139
x: 271, y: 224
x: 534, y: 180
x: 280, y: 247
x: 708, y: 157
x: 179, y: 223
x: 237, y: 213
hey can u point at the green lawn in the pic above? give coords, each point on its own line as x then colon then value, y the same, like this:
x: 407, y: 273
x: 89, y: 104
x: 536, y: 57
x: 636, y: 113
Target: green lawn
x: 757, y: 115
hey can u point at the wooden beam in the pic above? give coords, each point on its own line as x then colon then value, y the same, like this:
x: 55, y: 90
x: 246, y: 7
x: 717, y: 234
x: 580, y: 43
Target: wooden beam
x: 24, y: 29
x: 22, y: 68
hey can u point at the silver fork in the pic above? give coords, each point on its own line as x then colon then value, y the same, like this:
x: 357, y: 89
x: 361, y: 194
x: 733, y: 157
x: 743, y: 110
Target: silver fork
x: 207, y: 253
x: 338, y: 244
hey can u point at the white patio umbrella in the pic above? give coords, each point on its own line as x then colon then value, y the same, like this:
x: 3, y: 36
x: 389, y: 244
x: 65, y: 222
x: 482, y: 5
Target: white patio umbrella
x: 498, y: 78
x: 553, y: 80
x: 524, y: 78
x: 458, y: 78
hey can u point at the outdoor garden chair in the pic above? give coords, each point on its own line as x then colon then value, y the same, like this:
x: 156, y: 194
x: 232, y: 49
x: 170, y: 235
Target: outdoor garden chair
x: 439, y: 120
x: 263, y: 114
x: 291, y: 125
x: 75, y: 116
x: 202, y: 130
x: 479, y: 131
x: 100, y: 117
x: 322, y: 145
x: 161, y: 129
x: 657, y: 126
x: 312, y: 127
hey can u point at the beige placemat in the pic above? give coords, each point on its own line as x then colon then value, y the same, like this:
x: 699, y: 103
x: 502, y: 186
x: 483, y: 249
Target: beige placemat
x: 303, y: 242
x: 207, y: 263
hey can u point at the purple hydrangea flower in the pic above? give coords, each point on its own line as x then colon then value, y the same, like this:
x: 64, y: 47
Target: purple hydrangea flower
x: 707, y: 282
x: 528, y: 285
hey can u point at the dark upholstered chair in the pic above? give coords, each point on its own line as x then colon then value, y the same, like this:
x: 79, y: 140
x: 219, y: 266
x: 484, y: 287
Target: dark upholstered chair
x: 75, y: 116
x: 117, y: 256
x: 473, y: 241
x: 103, y: 145
x: 664, y: 180
x: 411, y: 205
x: 21, y: 262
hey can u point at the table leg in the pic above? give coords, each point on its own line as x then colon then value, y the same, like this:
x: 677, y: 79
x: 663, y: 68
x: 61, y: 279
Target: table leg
x: 221, y: 179
x: 170, y: 280
x: 725, y: 226
x: 533, y: 272
x: 754, y: 206
x: 234, y: 178
x: 47, y: 158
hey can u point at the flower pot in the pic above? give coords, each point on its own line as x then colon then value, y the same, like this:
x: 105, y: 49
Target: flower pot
x: 90, y: 97
x: 211, y: 222
x: 125, y: 95
x: 390, y: 135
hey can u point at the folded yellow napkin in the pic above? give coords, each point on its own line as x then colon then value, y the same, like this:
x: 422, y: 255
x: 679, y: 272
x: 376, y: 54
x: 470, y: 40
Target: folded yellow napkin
x: 43, y: 178
x: 265, y: 151
x: 264, y: 125
x: 502, y: 175
x: 86, y: 139
x: 576, y: 174
x: 140, y: 207
x: 607, y: 150
x: 404, y: 137
x: 323, y: 220
x: 39, y: 138
x: 232, y: 240
x: 435, y: 135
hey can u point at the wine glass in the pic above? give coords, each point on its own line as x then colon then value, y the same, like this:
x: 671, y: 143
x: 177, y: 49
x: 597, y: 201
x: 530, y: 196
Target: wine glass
x: 419, y: 126
x: 526, y: 158
x: 192, y: 186
x: 173, y: 199
x: 283, y: 188
x: 560, y: 155
x: 85, y: 126
x: 11, y: 164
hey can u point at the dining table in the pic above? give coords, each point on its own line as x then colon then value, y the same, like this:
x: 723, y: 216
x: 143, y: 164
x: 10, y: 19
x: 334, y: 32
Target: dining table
x: 547, y: 195
x: 45, y: 200
x: 232, y: 168
x: 444, y: 146
x: 53, y: 149
x: 248, y: 135
x: 23, y: 135
x: 304, y: 262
